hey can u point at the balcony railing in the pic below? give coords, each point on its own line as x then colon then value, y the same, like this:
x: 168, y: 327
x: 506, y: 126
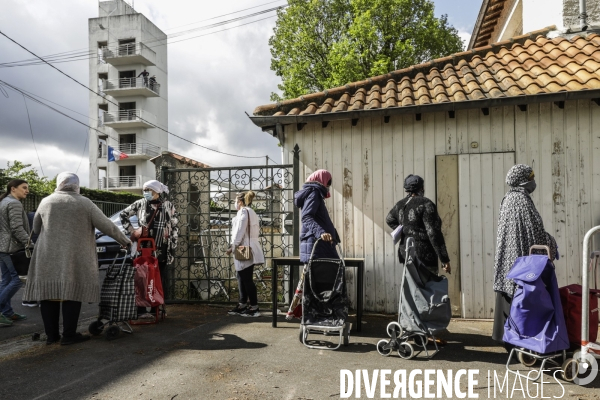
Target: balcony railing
x: 134, y: 181
x: 142, y: 149
x: 128, y: 85
x: 129, y: 53
x: 129, y: 118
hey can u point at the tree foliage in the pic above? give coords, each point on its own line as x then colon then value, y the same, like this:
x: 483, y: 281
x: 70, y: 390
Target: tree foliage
x: 320, y: 44
x: 42, y: 186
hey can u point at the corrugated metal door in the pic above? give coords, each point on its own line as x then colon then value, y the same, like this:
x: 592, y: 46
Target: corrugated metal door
x: 481, y: 183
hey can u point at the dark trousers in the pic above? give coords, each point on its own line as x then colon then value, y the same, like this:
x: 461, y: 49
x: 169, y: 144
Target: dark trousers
x: 51, y: 316
x: 246, y: 286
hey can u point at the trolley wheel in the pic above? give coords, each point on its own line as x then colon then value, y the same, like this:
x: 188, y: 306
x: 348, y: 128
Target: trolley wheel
x: 346, y: 335
x: 112, y: 332
x: 381, y: 348
x: 394, y: 326
x: 526, y: 359
x: 406, y: 350
x: 570, y: 368
x: 96, y: 328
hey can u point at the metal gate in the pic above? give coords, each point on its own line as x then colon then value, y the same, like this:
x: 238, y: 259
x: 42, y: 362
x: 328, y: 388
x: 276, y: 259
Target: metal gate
x: 205, y: 203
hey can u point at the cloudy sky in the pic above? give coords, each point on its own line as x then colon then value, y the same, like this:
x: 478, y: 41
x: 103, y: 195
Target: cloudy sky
x: 213, y: 79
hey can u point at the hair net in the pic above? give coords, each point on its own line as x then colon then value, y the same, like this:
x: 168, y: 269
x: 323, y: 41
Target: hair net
x: 67, y: 182
x: 156, y: 186
x: 518, y: 175
x: 413, y: 183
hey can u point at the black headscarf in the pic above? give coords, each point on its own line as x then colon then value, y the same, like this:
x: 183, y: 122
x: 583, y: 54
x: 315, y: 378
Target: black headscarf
x: 413, y: 183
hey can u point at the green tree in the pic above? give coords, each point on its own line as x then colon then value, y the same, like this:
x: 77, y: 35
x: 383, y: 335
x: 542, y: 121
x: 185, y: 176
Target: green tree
x: 18, y: 170
x: 320, y: 44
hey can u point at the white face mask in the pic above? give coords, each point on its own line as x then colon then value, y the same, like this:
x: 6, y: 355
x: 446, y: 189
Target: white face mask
x: 148, y: 196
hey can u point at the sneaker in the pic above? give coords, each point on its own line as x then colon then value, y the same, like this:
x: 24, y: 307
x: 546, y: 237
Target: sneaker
x: 251, y: 312
x: 238, y: 310
x: 78, y: 338
x: 5, y: 321
x: 146, y: 316
x: 17, y: 317
x: 30, y: 303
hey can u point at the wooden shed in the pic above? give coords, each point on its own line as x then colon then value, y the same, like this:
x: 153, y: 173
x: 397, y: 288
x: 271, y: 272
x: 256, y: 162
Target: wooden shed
x: 460, y: 122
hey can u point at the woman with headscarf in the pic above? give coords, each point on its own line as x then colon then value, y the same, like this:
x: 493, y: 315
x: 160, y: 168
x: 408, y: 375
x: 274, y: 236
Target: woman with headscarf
x: 316, y: 224
x: 63, y: 271
x: 420, y: 220
x: 245, y: 231
x: 158, y: 215
x: 519, y: 227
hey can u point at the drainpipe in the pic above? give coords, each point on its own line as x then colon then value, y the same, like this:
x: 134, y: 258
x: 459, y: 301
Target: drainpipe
x: 582, y: 15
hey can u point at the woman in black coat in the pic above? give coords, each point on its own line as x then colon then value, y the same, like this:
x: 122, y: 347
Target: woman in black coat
x: 420, y: 220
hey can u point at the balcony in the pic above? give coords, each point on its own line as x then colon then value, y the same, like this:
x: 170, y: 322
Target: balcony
x: 144, y: 151
x: 125, y: 119
x: 130, y: 87
x: 126, y: 182
x: 130, y: 53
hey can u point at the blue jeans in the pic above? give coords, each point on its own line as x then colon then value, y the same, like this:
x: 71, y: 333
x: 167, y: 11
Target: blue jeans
x: 10, y: 284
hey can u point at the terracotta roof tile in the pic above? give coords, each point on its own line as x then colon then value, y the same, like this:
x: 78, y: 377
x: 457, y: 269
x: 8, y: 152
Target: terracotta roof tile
x: 525, y: 65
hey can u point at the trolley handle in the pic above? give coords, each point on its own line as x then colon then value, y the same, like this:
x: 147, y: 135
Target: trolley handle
x: 539, y: 247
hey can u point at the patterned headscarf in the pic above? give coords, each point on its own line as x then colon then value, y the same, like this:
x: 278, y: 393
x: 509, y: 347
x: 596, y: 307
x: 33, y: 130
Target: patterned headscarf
x: 67, y: 182
x: 321, y: 176
x: 518, y: 175
x: 156, y: 186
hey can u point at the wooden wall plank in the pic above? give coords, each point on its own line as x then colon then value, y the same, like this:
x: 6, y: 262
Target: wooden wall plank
x: 473, y: 130
x: 585, y: 175
x: 428, y: 136
x: 419, y: 147
x: 532, y: 142
x: 466, y: 261
x: 476, y: 192
x: 488, y: 232
x: 440, y: 133
x: 595, y: 165
x: 508, y: 128
x: 572, y: 192
x: 462, y: 131
x: 451, y: 134
x: 485, y: 132
x: 371, y: 128
x: 543, y: 169
x: 379, y: 212
x: 497, y: 129
x: 357, y: 208
x: 388, y: 199
x: 337, y: 172
x: 559, y: 224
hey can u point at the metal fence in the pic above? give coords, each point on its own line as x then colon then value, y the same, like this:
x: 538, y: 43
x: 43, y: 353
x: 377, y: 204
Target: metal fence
x: 205, y: 202
x: 32, y: 202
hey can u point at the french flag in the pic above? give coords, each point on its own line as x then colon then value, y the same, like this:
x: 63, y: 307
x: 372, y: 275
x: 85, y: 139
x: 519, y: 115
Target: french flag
x: 114, y: 154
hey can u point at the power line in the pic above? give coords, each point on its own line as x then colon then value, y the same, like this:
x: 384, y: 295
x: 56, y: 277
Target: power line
x: 118, y: 106
x: 80, y: 55
x: 32, y: 139
x: 87, y: 136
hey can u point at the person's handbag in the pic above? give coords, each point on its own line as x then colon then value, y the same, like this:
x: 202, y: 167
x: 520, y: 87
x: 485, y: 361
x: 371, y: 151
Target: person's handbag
x: 142, y: 231
x: 21, y: 259
x: 244, y: 253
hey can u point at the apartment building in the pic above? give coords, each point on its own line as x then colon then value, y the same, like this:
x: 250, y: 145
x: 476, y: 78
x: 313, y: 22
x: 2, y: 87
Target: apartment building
x: 129, y: 69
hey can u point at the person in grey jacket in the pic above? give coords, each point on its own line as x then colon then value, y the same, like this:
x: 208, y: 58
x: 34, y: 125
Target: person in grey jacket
x: 64, y: 266
x: 14, y: 235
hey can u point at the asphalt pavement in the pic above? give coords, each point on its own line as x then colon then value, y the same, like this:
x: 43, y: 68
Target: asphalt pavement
x: 33, y: 323
x: 199, y: 352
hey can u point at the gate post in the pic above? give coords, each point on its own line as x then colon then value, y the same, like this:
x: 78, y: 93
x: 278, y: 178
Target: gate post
x: 296, y: 186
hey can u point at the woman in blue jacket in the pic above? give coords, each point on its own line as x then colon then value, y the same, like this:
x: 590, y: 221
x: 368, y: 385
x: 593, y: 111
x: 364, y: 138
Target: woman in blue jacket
x: 316, y: 224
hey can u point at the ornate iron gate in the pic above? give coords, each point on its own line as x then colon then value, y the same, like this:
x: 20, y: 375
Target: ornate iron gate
x: 205, y: 203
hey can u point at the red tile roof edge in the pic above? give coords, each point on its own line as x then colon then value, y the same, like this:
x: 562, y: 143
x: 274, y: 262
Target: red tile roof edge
x: 351, y: 88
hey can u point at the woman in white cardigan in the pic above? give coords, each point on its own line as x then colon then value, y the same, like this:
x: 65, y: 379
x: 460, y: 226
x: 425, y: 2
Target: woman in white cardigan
x: 245, y: 231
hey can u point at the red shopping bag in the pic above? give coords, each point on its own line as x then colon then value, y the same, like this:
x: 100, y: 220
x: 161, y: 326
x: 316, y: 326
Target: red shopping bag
x: 148, y: 285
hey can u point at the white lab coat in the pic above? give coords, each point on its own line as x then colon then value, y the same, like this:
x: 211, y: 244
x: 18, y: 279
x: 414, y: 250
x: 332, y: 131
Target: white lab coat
x: 239, y: 236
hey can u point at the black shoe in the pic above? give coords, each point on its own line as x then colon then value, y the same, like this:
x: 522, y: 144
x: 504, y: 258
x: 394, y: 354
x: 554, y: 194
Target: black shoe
x: 237, y: 310
x: 78, y: 338
x: 50, y: 340
x: 251, y: 312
